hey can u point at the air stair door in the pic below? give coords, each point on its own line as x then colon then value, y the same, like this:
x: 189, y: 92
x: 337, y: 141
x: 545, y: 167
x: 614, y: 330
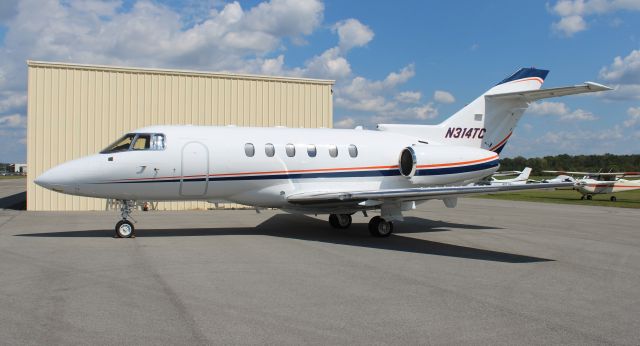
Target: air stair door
x: 195, y: 169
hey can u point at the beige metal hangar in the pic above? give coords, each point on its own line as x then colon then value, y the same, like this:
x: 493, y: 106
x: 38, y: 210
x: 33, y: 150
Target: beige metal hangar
x: 76, y: 110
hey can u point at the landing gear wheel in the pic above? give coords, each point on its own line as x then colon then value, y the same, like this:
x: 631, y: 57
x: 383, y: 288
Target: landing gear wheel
x: 589, y: 197
x: 613, y: 198
x: 340, y: 221
x: 379, y: 227
x: 582, y: 197
x: 124, y: 229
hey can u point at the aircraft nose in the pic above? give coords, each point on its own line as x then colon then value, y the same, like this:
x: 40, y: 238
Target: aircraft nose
x: 53, y: 179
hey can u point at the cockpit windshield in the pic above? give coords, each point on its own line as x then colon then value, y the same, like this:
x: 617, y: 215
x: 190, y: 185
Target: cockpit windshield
x: 137, y: 141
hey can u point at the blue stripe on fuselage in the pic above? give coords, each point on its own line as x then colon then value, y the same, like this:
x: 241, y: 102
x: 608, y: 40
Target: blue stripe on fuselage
x: 316, y: 175
x: 460, y: 169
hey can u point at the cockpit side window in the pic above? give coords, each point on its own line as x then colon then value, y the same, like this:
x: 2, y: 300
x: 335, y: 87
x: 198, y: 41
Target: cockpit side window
x: 137, y: 141
x: 142, y: 142
x: 157, y: 142
x: 121, y: 144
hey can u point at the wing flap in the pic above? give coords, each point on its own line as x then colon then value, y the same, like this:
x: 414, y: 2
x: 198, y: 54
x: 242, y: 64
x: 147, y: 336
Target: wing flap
x: 534, y: 95
x: 413, y: 194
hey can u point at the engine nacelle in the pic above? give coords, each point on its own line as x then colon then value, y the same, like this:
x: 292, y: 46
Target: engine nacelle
x: 439, y: 164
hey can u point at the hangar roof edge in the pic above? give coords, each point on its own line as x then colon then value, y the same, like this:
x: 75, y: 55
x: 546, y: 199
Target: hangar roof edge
x: 51, y: 64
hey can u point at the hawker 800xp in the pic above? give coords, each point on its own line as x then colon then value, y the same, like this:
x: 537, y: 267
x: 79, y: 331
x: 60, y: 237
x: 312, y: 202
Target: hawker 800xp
x: 314, y: 171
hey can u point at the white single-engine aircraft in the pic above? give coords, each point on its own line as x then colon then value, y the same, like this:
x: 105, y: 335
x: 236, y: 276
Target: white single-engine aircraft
x: 314, y: 171
x: 521, y: 179
x: 603, y: 183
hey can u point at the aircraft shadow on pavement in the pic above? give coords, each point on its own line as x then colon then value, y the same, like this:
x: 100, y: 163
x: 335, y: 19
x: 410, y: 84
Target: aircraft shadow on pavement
x: 311, y: 229
x: 16, y: 201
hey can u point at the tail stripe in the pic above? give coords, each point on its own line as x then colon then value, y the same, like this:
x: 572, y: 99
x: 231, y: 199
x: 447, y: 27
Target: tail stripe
x: 502, y: 142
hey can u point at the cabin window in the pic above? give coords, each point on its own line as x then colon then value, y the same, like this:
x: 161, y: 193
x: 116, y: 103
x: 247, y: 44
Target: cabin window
x: 333, y: 151
x: 143, y: 142
x: 353, y: 150
x: 121, y: 144
x: 290, y: 149
x: 269, y: 150
x: 311, y: 150
x: 249, y: 149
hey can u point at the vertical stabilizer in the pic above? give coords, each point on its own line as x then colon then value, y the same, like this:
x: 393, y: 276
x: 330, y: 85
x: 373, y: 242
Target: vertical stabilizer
x: 485, y: 122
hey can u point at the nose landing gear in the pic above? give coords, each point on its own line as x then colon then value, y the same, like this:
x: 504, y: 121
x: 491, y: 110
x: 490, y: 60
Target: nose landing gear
x: 124, y: 228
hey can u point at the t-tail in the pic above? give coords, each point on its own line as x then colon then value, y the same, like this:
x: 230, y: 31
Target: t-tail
x: 489, y: 121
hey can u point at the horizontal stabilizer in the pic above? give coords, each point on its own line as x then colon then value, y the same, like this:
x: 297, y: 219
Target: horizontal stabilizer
x: 534, y: 95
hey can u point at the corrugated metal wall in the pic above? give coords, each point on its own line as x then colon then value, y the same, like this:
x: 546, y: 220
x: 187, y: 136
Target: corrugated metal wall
x: 77, y: 110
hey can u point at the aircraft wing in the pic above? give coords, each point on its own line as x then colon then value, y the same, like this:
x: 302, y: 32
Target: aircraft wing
x: 534, y: 95
x: 411, y: 194
x: 617, y: 174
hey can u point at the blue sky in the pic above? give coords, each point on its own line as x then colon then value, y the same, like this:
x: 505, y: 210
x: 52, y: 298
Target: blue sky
x: 403, y: 62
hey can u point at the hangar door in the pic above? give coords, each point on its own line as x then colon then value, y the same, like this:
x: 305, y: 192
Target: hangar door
x: 195, y: 169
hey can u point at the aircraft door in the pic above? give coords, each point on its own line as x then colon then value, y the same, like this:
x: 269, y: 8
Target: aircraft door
x: 195, y: 169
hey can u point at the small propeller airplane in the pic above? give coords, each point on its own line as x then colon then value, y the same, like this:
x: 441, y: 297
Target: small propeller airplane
x: 602, y: 183
x: 521, y: 179
x: 314, y: 171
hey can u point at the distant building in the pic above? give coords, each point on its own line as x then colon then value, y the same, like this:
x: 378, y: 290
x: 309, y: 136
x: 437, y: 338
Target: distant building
x: 20, y: 168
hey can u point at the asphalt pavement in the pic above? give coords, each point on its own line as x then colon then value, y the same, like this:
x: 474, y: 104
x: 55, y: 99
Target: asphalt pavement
x: 488, y: 272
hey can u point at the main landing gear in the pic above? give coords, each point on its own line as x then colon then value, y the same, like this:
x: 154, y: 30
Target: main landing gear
x: 588, y: 197
x: 378, y: 227
x: 124, y: 228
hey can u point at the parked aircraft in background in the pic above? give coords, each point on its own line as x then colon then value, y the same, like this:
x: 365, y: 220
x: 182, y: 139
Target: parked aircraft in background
x: 314, y: 171
x: 521, y: 179
x: 603, y: 183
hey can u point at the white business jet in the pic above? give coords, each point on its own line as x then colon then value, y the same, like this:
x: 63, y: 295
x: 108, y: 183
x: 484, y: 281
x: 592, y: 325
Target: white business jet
x: 313, y: 171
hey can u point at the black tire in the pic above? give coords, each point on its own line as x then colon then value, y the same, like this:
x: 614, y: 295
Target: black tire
x: 124, y: 229
x: 333, y: 221
x: 582, y: 197
x: 379, y: 227
x: 589, y: 197
x: 340, y: 221
x: 613, y: 198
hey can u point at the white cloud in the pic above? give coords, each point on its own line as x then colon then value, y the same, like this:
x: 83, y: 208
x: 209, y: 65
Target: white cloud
x: 623, y: 70
x: 443, y: 97
x: 13, y: 120
x: 352, y: 33
x: 578, y: 115
x: 218, y: 37
x: 409, y: 97
x: 548, y: 108
x: 570, y: 25
x: 560, y: 110
x: 622, y: 92
x: 346, y: 123
x: 10, y: 101
x: 634, y: 116
x: 573, y: 12
x: 330, y: 64
x: 575, y: 141
x: 7, y: 9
